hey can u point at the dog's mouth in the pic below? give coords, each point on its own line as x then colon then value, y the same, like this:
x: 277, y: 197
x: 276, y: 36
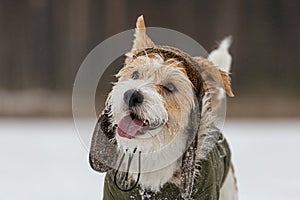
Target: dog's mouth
x: 132, y: 125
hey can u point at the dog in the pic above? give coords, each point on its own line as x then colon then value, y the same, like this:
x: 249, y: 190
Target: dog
x: 156, y: 137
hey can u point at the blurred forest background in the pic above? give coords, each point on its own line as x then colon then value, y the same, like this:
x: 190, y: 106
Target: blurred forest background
x: 43, y: 43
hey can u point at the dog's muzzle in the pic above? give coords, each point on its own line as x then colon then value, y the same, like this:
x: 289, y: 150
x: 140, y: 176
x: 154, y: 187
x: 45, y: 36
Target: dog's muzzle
x: 133, y: 98
x: 133, y: 124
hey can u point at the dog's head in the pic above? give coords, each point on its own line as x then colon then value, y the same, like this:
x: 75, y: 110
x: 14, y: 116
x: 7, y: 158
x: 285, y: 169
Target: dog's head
x: 152, y: 101
x: 158, y: 95
x: 153, y: 98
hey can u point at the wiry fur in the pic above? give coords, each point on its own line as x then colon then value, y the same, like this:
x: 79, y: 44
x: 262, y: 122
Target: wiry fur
x: 172, y: 110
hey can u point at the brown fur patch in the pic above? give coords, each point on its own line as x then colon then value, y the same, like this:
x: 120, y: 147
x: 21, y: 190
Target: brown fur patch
x: 172, y: 53
x: 172, y: 106
x: 227, y: 83
x: 140, y: 23
x: 214, y: 77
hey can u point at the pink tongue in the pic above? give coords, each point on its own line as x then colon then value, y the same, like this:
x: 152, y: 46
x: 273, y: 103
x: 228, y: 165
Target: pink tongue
x: 128, y: 127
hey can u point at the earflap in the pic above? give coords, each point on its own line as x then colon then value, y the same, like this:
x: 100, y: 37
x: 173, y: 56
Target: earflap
x: 187, y: 173
x: 103, y: 152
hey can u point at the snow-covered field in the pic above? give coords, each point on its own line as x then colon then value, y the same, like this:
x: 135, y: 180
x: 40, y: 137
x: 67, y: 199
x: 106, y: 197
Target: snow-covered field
x: 44, y: 159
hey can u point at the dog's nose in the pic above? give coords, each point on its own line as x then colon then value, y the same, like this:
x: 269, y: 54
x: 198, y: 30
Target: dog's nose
x: 133, y: 98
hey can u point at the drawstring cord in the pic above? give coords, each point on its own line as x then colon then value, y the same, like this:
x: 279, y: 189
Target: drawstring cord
x: 127, y: 172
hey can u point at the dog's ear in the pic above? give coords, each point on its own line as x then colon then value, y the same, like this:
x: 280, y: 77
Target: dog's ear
x: 142, y: 40
x: 226, y: 80
x: 103, y: 150
x: 214, y: 78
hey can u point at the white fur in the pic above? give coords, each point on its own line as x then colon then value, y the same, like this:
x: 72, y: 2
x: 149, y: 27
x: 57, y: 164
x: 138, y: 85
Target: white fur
x: 161, y: 148
x: 222, y: 59
x: 152, y: 109
x: 220, y: 56
x: 159, y: 160
x: 166, y: 163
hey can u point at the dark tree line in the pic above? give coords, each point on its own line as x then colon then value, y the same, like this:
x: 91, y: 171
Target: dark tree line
x: 43, y: 42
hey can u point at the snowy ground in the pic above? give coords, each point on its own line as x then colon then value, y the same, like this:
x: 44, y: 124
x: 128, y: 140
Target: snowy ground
x: 44, y: 159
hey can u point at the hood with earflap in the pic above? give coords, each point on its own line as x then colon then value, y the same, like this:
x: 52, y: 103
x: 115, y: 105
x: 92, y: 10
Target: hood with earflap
x: 105, y: 129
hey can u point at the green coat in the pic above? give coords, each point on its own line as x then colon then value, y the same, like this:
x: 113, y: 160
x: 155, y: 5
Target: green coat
x: 211, y: 173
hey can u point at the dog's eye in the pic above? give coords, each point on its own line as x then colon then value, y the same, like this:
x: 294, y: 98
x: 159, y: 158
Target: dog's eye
x: 135, y: 75
x: 170, y: 87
